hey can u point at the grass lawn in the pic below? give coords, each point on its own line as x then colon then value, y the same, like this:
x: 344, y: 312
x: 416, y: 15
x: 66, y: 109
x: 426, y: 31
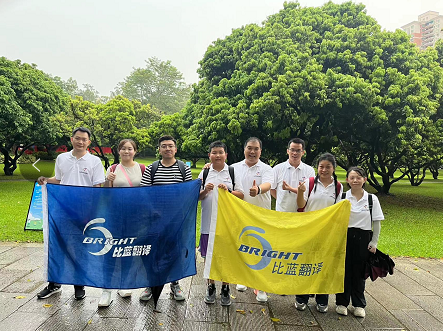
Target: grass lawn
x: 412, y: 227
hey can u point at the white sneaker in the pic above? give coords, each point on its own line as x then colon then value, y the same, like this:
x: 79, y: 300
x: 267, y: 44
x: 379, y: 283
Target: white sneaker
x: 105, y: 299
x: 300, y: 306
x: 261, y: 296
x: 341, y: 310
x: 359, y: 312
x: 124, y: 293
x: 146, y: 294
x: 241, y: 288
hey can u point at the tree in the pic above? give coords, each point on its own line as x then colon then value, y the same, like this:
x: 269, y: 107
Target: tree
x: 28, y: 103
x: 88, y: 93
x: 328, y: 75
x: 160, y: 84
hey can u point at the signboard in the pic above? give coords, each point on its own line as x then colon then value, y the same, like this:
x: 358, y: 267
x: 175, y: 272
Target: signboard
x: 34, y: 220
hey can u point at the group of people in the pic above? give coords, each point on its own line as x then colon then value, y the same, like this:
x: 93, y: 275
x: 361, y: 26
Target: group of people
x: 293, y: 184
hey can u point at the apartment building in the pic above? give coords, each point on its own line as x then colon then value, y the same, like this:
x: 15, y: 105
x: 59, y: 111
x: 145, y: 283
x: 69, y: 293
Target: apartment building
x: 426, y: 30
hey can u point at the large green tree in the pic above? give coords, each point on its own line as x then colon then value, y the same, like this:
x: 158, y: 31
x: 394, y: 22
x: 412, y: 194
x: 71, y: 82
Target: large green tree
x: 29, y: 100
x: 329, y: 75
x: 159, y: 84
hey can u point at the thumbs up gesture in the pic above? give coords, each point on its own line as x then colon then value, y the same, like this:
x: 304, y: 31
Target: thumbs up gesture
x: 253, y: 191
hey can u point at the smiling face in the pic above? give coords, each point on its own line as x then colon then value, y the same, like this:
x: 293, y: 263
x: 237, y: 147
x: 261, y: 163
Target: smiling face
x: 217, y: 156
x: 127, y: 152
x: 325, y: 169
x: 252, y: 152
x: 80, y: 142
x: 355, y: 180
x: 167, y: 149
x: 295, y: 152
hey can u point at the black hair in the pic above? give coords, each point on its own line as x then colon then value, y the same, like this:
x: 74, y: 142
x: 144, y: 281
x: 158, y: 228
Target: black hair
x: 358, y: 170
x: 167, y: 137
x: 297, y: 141
x: 82, y: 129
x: 252, y: 139
x: 218, y: 143
x: 330, y: 158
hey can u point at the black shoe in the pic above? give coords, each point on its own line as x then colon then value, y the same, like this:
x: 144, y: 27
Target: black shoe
x: 49, y: 290
x: 79, y: 292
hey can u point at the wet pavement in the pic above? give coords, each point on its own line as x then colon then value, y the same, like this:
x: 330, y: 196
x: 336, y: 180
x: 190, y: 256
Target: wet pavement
x: 411, y: 299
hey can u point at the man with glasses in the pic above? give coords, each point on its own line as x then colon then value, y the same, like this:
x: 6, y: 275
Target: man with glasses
x: 80, y: 168
x: 168, y: 170
x: 288, y: 175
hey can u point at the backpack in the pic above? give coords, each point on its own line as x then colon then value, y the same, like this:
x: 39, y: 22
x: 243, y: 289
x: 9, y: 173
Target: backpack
x: 154, y: 167
x: 142, y: 167
x: 311, y: 187
x: 231, y: 174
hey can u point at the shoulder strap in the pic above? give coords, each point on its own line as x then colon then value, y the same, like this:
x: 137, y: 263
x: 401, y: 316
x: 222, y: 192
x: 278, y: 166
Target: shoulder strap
x: 311, y: 186
x: 154, y: 167
x: 370, y: 205
x: 343, y: 196
x: 231, y: 173
x: 113, y: 167
x: 205, y: 175
x: 181, y: 166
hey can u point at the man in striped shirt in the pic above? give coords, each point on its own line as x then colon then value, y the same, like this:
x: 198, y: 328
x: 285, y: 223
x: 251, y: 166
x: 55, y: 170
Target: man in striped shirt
x: 168, y: 170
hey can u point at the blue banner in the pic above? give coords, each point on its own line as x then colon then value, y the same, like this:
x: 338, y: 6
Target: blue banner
x: 121, y: 238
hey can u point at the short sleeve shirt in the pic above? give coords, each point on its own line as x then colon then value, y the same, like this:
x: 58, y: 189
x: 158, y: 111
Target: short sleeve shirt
x: 134, y: 174
x: 286, y: 200
x: 85, y: 171
x: 261, y: 173
x: 321, y: 196
x: 360, y: 215
x: 165, y: 175
x: 209, y: 204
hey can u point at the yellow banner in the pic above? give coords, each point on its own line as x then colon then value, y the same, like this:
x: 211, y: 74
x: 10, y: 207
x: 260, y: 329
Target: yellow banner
x: 277, y: 252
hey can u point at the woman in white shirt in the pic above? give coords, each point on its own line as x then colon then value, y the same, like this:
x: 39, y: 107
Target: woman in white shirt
x: 128, y: 173
x: 359, y: 241
x: 317, y: 193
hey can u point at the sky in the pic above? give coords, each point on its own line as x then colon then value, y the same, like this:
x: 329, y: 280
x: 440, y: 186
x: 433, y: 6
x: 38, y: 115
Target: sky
x: 99, y: 42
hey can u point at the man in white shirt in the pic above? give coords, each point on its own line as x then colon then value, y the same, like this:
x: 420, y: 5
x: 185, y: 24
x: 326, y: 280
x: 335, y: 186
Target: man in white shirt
x: 288, y: 175
x: 257, y: 178
x: 80, y: 168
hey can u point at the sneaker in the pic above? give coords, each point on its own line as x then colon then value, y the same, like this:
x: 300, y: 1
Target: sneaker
x: 124, y: 293
x: 225, y: 299
x: 48, y: 291
x: 321, y: 308
x: 359, y: 312
x: 241, y: 288
x: 105, y: 299
x: 79, y: 292
x: 177, y: 292
x: 146, y: 294
x: 300, y: 306
x: 210, y: 294
x: 261, y: 296
x: 341, y: 310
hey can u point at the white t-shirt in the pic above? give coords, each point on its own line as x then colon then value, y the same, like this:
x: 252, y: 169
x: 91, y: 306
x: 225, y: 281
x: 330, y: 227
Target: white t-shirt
x: 85, y: 171
x: 209, y: 204
x: 322, y: 197
x: 261, y: 173
x: 134, y: 173
x: 286, y: 200
x: 360, y: 216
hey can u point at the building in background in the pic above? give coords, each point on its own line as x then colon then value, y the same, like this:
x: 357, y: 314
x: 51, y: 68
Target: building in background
x: 427, y: 30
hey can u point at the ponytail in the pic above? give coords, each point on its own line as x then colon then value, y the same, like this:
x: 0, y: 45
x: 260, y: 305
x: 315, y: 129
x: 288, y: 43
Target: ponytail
x: 335, y: 185
x: 315, y: 183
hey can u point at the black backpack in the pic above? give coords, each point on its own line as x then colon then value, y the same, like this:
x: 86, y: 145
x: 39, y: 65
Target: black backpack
x: 231, y: 174
x: 154, y: 167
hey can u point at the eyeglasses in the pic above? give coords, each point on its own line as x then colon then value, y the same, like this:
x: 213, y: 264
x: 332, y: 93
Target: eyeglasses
x: 297, y: 151
x: 77, y: 139
x: 167, y: 146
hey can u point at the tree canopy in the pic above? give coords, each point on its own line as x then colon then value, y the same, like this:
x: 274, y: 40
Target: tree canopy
x: 329, y: 75
x: 159, y: 84
x: 29, y: 100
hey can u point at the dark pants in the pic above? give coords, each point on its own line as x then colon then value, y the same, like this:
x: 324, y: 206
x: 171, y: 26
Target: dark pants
x: 321, y: 299
x: 356, y: 255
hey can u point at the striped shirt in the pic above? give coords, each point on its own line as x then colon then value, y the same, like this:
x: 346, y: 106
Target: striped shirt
x: 165, y: 175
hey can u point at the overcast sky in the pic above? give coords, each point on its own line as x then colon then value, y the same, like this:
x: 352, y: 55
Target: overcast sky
x: 99, y: 41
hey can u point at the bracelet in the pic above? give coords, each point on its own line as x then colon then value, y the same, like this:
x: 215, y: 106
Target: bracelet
x: 259, y: 190
x: 229, y: 190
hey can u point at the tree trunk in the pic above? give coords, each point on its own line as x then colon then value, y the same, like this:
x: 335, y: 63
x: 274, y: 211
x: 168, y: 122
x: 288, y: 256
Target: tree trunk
x: 194, y: 162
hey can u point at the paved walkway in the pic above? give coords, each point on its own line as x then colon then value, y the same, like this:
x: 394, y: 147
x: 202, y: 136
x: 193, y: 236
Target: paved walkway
x: 411, y: 299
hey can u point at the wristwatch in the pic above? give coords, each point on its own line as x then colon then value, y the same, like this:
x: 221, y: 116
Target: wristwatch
x: 259, y: 190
